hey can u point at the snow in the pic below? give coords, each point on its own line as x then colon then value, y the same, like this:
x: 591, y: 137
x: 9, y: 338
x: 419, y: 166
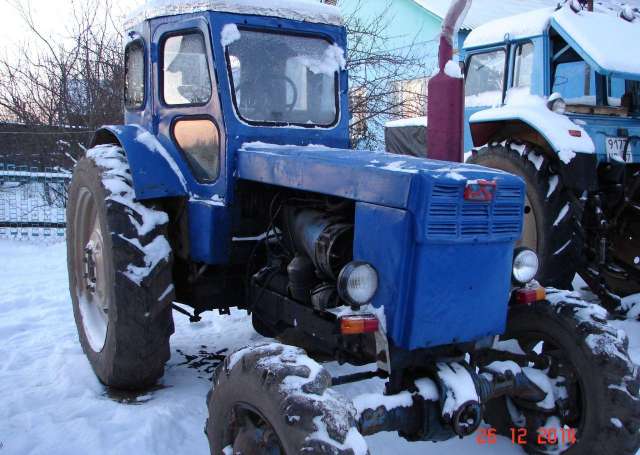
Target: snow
x: 529, y: 24
x: 452, y: 69
x: 300, y: 10
x: 491, y: 98
x: 377, y: 400
x: 413, y: 121
x: 116, y: 174
x: 592, y: 33
x: 553, y: 184
x: 483, y: 11
x: 562, y: 248
x: 533, y: 110
x: 52, y: 402
x: 460, y: 387
x: 333, y: 60
x: 144, y: 137
x: 230, y: 34
x: 562, y: 214
x: 398, y: 166
x: 155, y: 251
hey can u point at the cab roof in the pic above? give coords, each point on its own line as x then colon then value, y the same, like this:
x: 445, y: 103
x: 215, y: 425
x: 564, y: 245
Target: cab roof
x: 300, y: 10
x: 601, y: 38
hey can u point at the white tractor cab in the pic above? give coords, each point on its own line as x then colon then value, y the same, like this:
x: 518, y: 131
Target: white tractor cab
x: 554, y: 96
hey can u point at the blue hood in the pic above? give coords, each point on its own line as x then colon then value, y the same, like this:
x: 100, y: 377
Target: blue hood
x: 372, y: 177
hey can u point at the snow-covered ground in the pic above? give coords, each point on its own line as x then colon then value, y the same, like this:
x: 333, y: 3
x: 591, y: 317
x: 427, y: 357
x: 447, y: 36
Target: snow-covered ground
x: 51, y: 402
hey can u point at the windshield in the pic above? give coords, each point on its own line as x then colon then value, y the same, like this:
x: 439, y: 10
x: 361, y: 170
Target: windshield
x: 285, y: 79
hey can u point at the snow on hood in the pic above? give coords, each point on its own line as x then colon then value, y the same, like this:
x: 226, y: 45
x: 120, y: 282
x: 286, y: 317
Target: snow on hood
x: 301, y: 10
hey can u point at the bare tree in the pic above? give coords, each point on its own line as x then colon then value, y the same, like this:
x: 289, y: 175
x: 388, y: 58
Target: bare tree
x: 76, y: 80
x: 384, y: 83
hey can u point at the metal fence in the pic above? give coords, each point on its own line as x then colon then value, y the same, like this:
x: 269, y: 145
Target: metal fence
x: 33, y: 201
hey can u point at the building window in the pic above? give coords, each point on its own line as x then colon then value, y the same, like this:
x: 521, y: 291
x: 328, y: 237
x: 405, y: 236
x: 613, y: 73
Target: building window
x: 134, y: 82
x: 410, y: 97
x: 185, y: 74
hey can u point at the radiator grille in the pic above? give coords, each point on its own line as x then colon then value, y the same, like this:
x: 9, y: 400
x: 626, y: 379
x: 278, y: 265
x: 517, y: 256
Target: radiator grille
x: 451, y: 217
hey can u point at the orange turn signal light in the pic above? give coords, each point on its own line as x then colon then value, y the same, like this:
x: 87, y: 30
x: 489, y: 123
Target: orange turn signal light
x: 358, y: 324
x: 530, y: 295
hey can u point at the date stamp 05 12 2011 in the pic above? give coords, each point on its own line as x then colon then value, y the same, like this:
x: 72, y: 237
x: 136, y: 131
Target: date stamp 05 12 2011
x: 519, y: 436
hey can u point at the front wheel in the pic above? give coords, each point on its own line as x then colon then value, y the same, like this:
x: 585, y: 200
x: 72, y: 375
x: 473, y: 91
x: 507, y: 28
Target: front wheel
x: 273, y: 399
x: 568, y: 349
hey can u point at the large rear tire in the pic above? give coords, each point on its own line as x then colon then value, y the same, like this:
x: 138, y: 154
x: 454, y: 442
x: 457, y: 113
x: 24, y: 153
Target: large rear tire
x: 592, y: 382
x: 272, y: 398
x: 548, y: 220
x: 119, y: 264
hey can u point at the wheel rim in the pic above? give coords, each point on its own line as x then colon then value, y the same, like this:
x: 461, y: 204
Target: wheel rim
x: 568, y: 394
x: 251, y: 433
x: 530, y: 232
x: 90, y: 271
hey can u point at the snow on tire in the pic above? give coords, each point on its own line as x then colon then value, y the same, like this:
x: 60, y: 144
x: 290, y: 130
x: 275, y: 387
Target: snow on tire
x: 120, y: 278
x: 549, y: 227
x: 284, y: 394
x: 591, y: 383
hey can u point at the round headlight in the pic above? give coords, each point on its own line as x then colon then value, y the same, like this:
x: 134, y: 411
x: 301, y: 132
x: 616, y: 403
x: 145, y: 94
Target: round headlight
x: 556, y: 103
x: 357, y: 283
x: 525, y: 265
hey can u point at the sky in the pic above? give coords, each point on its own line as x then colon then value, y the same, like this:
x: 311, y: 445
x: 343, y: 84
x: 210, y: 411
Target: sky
x: 52, y: 17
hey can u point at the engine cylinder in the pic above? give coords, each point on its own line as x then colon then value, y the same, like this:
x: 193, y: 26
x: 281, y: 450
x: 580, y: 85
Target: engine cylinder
x: 326, y: 239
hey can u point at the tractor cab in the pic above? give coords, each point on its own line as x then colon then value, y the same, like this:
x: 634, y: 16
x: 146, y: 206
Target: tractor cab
x: 576, y: 56
x: 554, y: 96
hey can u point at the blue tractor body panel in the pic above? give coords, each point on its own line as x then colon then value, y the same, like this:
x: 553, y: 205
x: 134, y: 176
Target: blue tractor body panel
x: 444, y: 262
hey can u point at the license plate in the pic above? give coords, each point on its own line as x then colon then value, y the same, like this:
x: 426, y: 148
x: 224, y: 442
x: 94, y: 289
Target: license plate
x: 615, y: 148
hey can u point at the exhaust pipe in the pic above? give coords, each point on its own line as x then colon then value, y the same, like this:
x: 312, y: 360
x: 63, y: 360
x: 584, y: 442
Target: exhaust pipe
x: 445, y: 110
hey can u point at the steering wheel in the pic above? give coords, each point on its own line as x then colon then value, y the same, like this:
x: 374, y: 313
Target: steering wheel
x: 265, y: 98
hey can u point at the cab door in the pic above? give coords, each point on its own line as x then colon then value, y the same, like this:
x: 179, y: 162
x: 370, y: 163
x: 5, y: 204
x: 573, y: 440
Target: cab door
x: 187, y: 114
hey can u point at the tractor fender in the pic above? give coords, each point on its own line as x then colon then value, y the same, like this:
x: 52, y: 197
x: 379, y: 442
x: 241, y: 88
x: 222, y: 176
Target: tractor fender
x: 155, y: 172
x: 537, y: 123
x: 565, y: 143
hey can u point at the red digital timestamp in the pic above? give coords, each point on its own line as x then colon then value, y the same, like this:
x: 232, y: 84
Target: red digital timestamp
x: 519, y: 436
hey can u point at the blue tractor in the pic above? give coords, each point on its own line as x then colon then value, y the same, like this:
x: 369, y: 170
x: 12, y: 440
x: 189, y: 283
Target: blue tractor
x: 557, y: 102
x: 231, y: 184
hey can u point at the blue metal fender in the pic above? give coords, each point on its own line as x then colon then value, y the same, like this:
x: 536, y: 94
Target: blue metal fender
x: 154, y: 170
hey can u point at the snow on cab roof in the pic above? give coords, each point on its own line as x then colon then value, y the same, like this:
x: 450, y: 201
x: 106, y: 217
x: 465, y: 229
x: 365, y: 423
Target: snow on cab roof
x: 523, y: 25
x: 534, y: 23
x: 600, y: 37
x: 602, y: 40
x: 301, y: 10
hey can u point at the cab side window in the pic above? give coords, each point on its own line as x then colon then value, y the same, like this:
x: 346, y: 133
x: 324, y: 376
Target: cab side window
x: 134, y: 83
x: 185, y: 70
x: 523, y: 67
